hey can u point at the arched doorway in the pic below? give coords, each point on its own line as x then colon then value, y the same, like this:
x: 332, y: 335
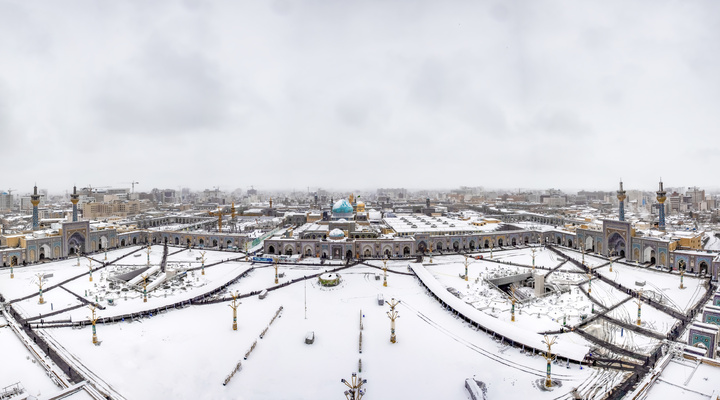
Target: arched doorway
x: 422, y: 247
x: 367, y: 253
x: 406, y: 251
x: 438, y: 246
x: 134, y: 240
x: 214, y: 242
x: 487, y: 244
x: 387, y: 253
x: 649, y: 255
x: 308, y: 252
x: 122, y: 242
x: 472, y: 245
x: 589, y: 243
x: 348, y: 255
x: 103, y: 242
x: 288, y: 251
x: 45, y: 252
x: 703, y: 268
x: 558, y: 240
x: 177, y: 241
x: 202, y: 243
x: 514, y: 242
x: 456, y: 246
x: 271, y: 249
x: 13, y: 261
x: 500, y: 243
x: 527, y: 240
x: 616, y: 245
x: 188, y: 242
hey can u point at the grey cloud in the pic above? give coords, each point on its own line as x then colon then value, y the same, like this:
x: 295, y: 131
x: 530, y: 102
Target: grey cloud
x: 162, y: 91
x: 559, y: 123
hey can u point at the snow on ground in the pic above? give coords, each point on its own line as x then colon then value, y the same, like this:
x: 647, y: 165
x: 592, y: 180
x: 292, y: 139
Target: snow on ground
x: 617, y: 335
x: 659, y: 285
x: 434, y: 354
x: 539, y: 315
x: 18, y: 365
x: 651, y: 318
x: 603, y: 293
x: 713, y: 242
x: 687, y: 380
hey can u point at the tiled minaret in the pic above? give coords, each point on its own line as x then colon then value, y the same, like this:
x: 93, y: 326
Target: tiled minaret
x: 35, y: 200
x: 661, y: 210
x: 621, y: 196
x: 74, y: 197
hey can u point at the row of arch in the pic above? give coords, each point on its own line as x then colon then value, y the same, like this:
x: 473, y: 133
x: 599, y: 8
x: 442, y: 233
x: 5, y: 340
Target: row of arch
x: 309, y: 251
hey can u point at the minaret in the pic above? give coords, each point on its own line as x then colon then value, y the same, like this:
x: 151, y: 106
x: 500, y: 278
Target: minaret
x: 74, y: 197
x: 661, y: 210
x: 621, y: 196
x: 35, y: 200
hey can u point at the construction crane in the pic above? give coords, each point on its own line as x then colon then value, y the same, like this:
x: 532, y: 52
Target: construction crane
x: 133, y: 185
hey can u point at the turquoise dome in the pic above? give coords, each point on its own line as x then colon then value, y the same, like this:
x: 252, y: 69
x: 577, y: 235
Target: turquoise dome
x: 342, y: 207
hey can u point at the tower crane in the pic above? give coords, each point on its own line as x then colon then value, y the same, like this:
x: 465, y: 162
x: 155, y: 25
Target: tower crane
x: 133, y: 185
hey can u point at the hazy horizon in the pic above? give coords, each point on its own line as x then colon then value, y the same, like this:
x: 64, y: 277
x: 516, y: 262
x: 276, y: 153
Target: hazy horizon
x: 359, y: 94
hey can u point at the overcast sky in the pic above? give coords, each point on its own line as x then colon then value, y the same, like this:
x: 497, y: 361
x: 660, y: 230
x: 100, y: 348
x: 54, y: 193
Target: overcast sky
x: 359, y: 94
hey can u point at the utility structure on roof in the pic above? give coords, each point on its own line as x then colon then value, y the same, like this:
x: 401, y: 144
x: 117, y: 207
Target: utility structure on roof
x: 661, y: 197
x: 621, y: 198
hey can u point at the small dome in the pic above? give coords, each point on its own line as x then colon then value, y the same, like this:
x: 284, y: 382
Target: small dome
x: 336, y: 234
x: 342, y: 220
x: 342, y: 206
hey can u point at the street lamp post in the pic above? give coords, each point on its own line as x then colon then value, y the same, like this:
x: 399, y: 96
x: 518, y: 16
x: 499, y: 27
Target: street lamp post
x: 355, y: 384
x: 276, y: 271
x: 549, y: 357
x: 202, y: 269
x: 385, y: 271
x: 533, y: 259
x: 466, y: 268
x: 90, y: 268
x: 512, y: 300
x: 682, y: 273
x: 639, y: 303
x: 93, y: 319
x: 393, y: 315
x: 145, y: 288
x: 40, y: 285
x: 234, y: 307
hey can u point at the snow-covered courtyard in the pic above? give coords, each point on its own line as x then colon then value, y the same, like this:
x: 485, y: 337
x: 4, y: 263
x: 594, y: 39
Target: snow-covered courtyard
x: 189, y: 352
